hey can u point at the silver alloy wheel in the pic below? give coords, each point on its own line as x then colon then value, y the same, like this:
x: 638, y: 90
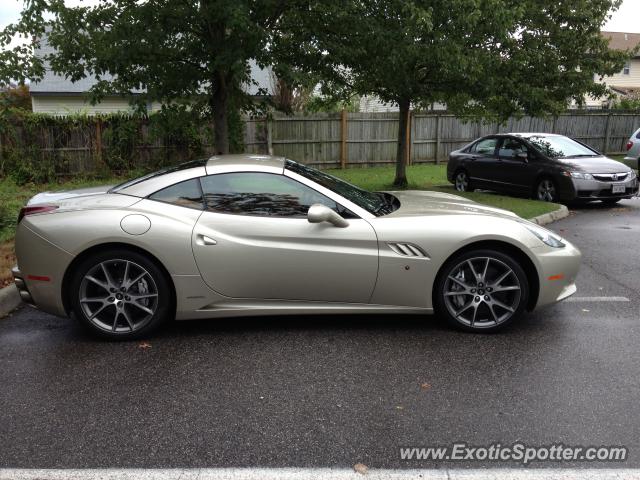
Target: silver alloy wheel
x: 118, y: 296
x: 546, y: 190
x: 462, y: 181
x: 482, y: 292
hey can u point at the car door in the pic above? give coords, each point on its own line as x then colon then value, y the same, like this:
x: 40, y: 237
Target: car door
x: 254, y: 241
x: 514, y: 171
x: 482, y: 164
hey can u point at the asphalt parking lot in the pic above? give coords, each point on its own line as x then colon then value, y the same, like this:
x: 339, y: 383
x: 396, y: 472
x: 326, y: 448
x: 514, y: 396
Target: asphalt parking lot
x: 336, y: 391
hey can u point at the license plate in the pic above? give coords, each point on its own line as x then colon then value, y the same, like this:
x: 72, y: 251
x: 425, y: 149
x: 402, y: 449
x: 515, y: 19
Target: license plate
x: 617, y: 189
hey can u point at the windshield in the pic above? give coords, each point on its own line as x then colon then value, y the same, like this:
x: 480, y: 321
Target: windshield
x: 375, y: 203
x: 561, y: 147
x: 183, y: 166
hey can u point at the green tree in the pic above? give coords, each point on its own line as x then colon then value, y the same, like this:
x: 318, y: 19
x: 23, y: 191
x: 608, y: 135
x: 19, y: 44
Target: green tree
x: 193, y: 51
x: 485, y: 58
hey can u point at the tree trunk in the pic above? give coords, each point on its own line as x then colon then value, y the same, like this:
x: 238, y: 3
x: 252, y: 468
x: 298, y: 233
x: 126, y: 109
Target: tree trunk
x: 219, y: 106
x: 402, y: 154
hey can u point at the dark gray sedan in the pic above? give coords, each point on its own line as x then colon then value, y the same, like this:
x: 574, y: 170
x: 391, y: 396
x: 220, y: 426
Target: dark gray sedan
x: 546, y: 166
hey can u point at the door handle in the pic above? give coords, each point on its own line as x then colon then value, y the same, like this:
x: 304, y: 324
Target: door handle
x: 204, y: 240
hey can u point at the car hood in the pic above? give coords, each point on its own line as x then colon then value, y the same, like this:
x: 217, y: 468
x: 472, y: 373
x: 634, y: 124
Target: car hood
x: 56, y: 196
x: 419, y: 202
x: 594, y: 165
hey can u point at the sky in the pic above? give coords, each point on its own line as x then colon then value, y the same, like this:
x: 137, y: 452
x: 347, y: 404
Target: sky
x: 625, y: 19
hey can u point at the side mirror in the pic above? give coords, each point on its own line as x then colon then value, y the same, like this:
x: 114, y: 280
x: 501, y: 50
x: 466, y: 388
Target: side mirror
x: 524, y: 156
x: 319, y: 213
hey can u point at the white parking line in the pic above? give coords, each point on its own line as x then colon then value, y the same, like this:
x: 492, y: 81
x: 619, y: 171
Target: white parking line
x: 318, y: 474
x: 597, y: 299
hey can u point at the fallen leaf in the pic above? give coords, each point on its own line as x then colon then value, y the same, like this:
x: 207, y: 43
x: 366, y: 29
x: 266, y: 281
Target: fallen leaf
x: 425, y: 386
x: 144, y: 345
x: 585, y: 310
x: 399, y: 407
x: 361, y: 468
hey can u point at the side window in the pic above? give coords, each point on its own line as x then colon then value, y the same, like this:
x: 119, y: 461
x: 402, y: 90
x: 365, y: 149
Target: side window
x: 485, y: 147
x: 184, y: 194
x: 510, y: 148
x: 263, y: 194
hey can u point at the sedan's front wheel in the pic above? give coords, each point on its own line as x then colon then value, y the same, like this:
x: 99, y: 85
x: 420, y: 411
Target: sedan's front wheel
x: 462, y: 182
x: 481, y: 290
x: 120, y: 294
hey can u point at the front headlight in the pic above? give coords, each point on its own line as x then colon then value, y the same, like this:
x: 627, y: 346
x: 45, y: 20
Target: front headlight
x: 632, y: 175
x: 581, y: 176
x: 547, y: 237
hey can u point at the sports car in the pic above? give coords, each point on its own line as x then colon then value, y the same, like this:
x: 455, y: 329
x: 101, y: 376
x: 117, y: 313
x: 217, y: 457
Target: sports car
x: 239, y: 235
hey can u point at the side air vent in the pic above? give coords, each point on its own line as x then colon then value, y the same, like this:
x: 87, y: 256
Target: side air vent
x: 407, y: 250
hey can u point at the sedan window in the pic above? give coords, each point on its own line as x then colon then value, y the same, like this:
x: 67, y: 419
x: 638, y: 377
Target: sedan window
x: 485, y: 147
x: 560, y: 147
x: 183, y: 194
x: 510, y: 148
x: 262, y: 194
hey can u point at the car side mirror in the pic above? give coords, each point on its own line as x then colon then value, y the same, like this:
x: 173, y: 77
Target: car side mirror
x: 319, y: 213
x: 524, y: 156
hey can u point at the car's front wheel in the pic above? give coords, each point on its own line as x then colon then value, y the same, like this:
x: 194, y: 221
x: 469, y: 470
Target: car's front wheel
x: 546, y: 190
x: 462, y: 181
x: 481, y: 291
x: 120, y: 294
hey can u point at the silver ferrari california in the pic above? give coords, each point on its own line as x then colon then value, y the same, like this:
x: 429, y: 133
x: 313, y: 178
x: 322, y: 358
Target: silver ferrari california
x: 241, y: 235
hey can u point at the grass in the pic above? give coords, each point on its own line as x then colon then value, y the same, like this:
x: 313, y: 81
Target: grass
x: 421, y: 177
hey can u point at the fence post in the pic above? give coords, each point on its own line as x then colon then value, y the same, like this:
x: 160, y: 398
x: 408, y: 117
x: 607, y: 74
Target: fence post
x: 99, y: 141
x: 407, y: 139
x: 607, y: 134
x: 343, y: 138
x: 554, y: 124
x: 437, y: 148
x: 268, y: 128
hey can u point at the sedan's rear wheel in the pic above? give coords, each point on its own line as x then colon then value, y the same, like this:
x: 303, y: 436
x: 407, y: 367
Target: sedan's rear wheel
x: 481, y: 290
x: 120, y: 294
x: 462, y: 182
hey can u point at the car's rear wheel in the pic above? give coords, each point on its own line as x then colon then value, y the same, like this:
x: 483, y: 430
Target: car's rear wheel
x: 120, y: 294
x: 546, y: 190
x: 481, y: 291
x: 462, y: 182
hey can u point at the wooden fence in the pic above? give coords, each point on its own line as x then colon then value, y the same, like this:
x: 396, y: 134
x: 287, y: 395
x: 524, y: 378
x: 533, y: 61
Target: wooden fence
x: 323, y: 140
x: 361, y: 139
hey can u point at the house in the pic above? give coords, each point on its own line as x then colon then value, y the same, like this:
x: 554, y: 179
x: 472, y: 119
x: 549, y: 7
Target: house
x: 626, y: 83
x: 57, y: 95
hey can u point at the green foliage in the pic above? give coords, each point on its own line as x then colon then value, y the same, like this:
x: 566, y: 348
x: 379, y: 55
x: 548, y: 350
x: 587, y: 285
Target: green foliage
x: 25, y: 137
x: 331, y: 104
x: 627, y: 104
x: 164, y: 50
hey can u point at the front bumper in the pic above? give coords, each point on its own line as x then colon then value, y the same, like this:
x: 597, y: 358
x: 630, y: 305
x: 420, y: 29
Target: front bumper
x: 600, y: 190
x: 557, y: 272
x: 21, y: 285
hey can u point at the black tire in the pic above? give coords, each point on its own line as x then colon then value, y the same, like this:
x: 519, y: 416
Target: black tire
x: 461, y: 181
x: 611, y: 201
x: 546, y: 190
x: 152, y: 305
x: 481, y: 294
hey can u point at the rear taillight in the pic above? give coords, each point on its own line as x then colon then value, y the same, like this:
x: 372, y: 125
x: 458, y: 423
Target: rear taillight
x: 25, y: 211
x: 629, y: 145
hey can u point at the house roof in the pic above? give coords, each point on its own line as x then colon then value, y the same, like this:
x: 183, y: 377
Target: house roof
x: 53, y: 84
x: 622, y: 40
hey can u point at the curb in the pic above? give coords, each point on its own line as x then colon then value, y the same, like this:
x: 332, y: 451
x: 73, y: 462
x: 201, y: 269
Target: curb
x: 550, y: 217
x: 9, y: 300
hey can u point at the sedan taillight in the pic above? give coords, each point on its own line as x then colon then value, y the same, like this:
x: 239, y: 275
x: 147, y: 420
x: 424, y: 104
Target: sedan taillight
x: 629, y: 145
x: 32, y: 210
